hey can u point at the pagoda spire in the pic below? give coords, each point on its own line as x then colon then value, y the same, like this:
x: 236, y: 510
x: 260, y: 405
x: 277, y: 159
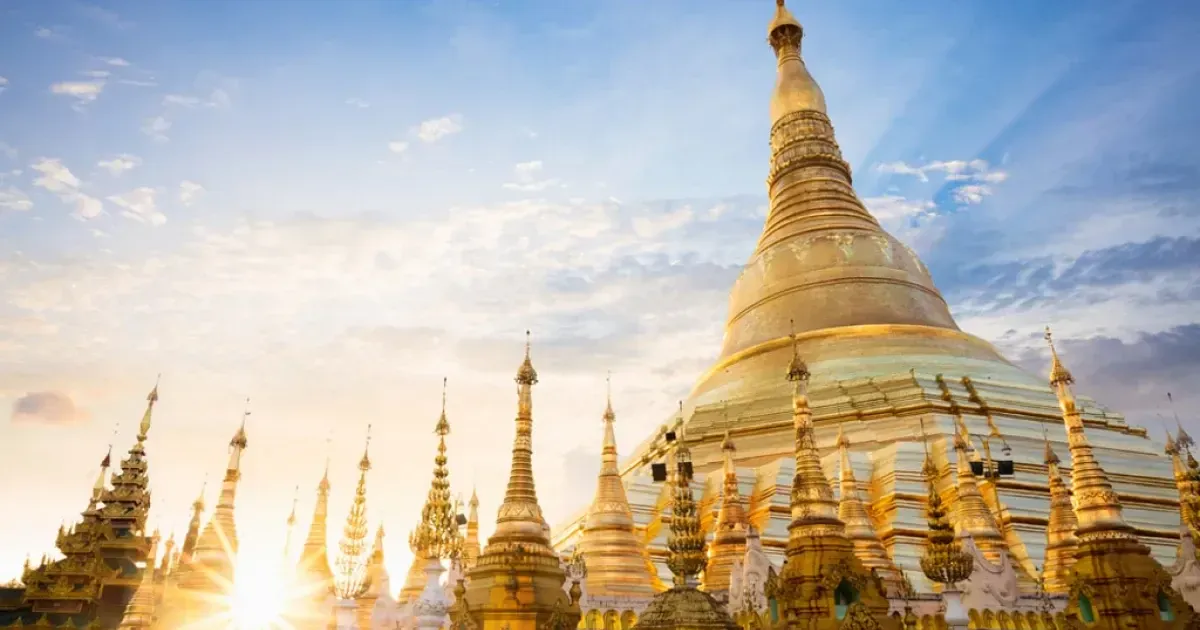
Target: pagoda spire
x: 1060, y: 530
x: 141, y: 612
x: 1097, y: 506
x: 944, y: 561
x: 729, y: 534
x: 216, y: 550
x: 817, y: 538
x: 350, y: 581
x: 614, y: 557
x: 1114, y: 571
x: 100, y: 486
x: 193, y: 532
x: 971, y: 513
x: 471, y: 543
x: 436, y: 536
x: 316, y: 575
x: 518, y: 579
x: 291, y: 526
x: 859, y: 528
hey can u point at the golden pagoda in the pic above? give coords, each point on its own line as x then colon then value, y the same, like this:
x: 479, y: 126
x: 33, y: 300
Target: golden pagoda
x: 517, y: 582
x: 193, y: 532
x: 972, y: 514
x: 106, y: 554
x: 1114, y: 582
x: 350, y: 580
x: 729, y: 533
x: 859, y: 528
x: 823, y: 582
x: 141, y: 613
x: 877, y: 333
x: 683, y: 606
x: 1060, y: 534
x: 471, y: 549
x: 614, y: 556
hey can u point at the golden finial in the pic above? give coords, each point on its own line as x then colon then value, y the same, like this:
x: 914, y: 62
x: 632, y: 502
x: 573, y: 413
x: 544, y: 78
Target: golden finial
x: 437, y: 535
x: 198, y: 504
x: 685, y: 542
x: 1058, y: 373
x: 151, y: 398
x: 842, y: 440
x: 443, y: 425
x: 609, y: 415
x: 295, y: 500
x: 727, y: 443
x: 944, y: 560
x: 526, y: 375
x: 1184, y: 441
x: 797, y: 369
x: 239, y: 438
x: 365, y: 463
x: 1051, y: 457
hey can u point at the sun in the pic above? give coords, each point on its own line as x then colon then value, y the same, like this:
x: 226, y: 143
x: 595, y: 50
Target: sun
x: 259, y: 596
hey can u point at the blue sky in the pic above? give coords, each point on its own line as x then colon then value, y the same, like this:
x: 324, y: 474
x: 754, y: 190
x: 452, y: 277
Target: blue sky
x: 329, y: 206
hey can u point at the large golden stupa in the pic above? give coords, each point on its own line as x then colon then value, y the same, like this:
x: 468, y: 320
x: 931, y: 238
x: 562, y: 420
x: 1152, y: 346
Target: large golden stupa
x: 885, y: 354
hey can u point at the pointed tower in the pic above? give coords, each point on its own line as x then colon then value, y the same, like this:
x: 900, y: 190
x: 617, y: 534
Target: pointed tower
x: 350, y: 580
x: 313, y: 573
x: 193, y: 532
x: 614, y: 557
x: 859, y: 528
x: 971, y: 513
x: 141, y: 612
x: 822, y: 582
x: 517, y: 583
x: 215, y: 554
x: 1114, y: 582
x: 471, y: 544
x: 683, y: 606
x: 1060, y: 531
x: 291, y: 527
x: 729, y: 535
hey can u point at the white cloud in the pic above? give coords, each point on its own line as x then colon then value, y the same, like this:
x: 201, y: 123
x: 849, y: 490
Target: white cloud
x: 217, y: 99
x: 397, y: 146
x: 137, y: 83
x: 44, y: 33
x: 527, y: 179
x: 893, y: 209
x: 655, y: 226
x: 115, y: 61
x: 3, y: 84
x: 157, y: 128
x: 972, y: 194
x: 181, y: 100
x: 58, y: 179
x: 97, y: 74
x: 13, y: 199
x: 357, y: 102
x: 139, y: 205
x: 83, y: 92
x: 437, y: 128
x: 55, y: 177
x: 120, y: 163
x: 189, y: 192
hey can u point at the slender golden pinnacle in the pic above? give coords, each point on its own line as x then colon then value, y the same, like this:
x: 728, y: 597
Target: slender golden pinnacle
x: 437, y: 535
x: 685, y: 542
x: 944, y: 560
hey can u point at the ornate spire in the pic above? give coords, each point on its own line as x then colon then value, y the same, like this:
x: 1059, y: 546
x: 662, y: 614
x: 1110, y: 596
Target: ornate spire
x: 217, y: 547
x: 729, y: 534
x: 813, y: 504
x: 944, y: 561
x: 193, y: 532
x: 316, y: 577
x: 1060, y: 530
x: 611, y: 551
x: 140, y: 613
x: 685, y: 542
x: 518, y: 579
x: 971, y: 513
x: 471, y: 543
x: 859, y: 528
x: 376, y: 568
x: 795, y: 90
x: 437, y: 535
x: 1184, y: 440
x: 291, y: 525
x: 520, y: 516
x: 1096, y: 504
x: 100, y: 486
x: 350, y: 581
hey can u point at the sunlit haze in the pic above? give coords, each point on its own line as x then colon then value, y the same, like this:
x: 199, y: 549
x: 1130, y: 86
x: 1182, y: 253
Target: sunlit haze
x: 327, y: 207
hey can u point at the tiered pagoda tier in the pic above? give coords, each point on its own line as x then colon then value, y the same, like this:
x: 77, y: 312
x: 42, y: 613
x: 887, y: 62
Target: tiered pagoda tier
x: 886, y: 354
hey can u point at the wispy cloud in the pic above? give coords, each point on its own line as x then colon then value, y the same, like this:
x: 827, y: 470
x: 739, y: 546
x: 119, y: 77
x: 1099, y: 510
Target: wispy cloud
x: 527, y: 176
x: 157, y: 128
x: 3, y: 84
x: 120, y: 163
x: 14, y: 199
x: 43, y: 32
x: 58, y: 179
x: 435, y: 129
x: 190, y: 192
x: 83, y: 92
x: 140, y: 205
x: 47, y: 407
x: 397, y: 146
x: 357, y: 102
x: 953, y: 171
x: 115, y: 61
